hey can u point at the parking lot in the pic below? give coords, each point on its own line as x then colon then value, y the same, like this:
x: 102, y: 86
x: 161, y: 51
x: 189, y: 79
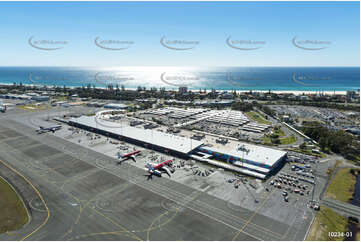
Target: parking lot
x: 330, y: 117
x: 219, y: 122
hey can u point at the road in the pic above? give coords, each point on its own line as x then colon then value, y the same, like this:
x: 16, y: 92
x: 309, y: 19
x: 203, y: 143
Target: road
x: 288, y: 131
x: 342, y: 207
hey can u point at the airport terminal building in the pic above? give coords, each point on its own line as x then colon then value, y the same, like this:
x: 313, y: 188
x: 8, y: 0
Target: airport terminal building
x: 254, y: 160
x: 148, y: 138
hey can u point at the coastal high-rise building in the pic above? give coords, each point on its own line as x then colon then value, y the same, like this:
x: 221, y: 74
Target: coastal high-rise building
x: 183, y: 89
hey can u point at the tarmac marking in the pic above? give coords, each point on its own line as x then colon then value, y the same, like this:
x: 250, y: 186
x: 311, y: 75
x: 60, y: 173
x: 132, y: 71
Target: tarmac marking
x: 99, y: 233
x: 48, y: 211
x: 195, y: 210
x: 40, y: 196
x: 123, y: 187
x: 156, y: 191
x: 53, y: 182
x: 256, y: 226
x: 157, y: 218
x: 9, y: 138
x: 115, y: 223
x: 254, y: 214
x: 161, y: 215
x: 81, y: 208
x: 134, y: 231
x: 289, y: 227
x: 76, y: 178
x: 52, y: 169
x: 76, y: 199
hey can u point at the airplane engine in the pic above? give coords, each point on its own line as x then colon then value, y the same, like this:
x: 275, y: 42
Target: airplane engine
x: 156, y: 173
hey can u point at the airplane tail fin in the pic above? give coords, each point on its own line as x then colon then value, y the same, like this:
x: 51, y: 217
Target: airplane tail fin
x: 119, y: 155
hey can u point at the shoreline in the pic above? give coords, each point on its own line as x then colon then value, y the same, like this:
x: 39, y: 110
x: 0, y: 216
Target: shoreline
x: 294, y: 92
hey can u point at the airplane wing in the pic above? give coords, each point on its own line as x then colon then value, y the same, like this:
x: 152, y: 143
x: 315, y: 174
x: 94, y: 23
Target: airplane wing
x: 166, y: 170
x: 133, y: 158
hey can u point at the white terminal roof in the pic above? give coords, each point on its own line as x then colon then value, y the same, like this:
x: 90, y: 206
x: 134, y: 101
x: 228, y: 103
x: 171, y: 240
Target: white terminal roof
x: 165, y: 140
x: 259, y: 154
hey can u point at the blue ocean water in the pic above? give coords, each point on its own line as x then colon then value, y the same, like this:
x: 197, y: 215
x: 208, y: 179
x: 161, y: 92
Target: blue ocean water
x: 222, y: 78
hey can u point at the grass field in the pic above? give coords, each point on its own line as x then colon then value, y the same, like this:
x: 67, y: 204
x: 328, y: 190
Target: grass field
x: 267, y: 141
x: 326, y: 221
x: 13, y: 214
x: 257, y: 117
x: 279, y: 132
x: 343, y: 185
x: 31, y: 107
x: 309, y: 152
x: 288, y: 140
x: 284, y: 141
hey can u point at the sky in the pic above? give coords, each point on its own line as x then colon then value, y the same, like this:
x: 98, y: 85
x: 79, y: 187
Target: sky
x: 179, y: 34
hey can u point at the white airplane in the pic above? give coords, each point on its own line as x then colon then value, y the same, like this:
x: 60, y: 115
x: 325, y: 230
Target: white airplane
x: 123, y: 157
x: 2, y: 107
x: 48, y: 129
x: 158, y: 169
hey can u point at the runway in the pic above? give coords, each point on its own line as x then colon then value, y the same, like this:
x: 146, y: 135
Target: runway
x: 88, y: 197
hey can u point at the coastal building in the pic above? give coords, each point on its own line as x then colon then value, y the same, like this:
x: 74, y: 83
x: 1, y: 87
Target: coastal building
x: 183, y: 90
x: 149, y: 100
x: 15, y: 96
x: 177, y: 102
x: 40, y: 98
x: 95, y: 104
x: 226, y: 95
x: 32, y: 94
x: 286, y: 118
x: 303, y: 98
x: 116, y: 106
x: 352, y: 95
x: 214, y: 103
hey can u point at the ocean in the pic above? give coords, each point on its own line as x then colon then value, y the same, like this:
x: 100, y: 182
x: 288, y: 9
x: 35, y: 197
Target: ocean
x: 171, y: 78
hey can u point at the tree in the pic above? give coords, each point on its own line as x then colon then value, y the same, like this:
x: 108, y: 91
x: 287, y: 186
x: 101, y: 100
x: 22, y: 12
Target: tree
x: 276, y: 140
x: 303, y: 146
x: 242, y: 106
x: 323, y: 143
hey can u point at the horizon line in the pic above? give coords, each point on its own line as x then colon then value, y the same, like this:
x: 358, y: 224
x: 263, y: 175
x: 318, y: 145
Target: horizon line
x: 169, y: 66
